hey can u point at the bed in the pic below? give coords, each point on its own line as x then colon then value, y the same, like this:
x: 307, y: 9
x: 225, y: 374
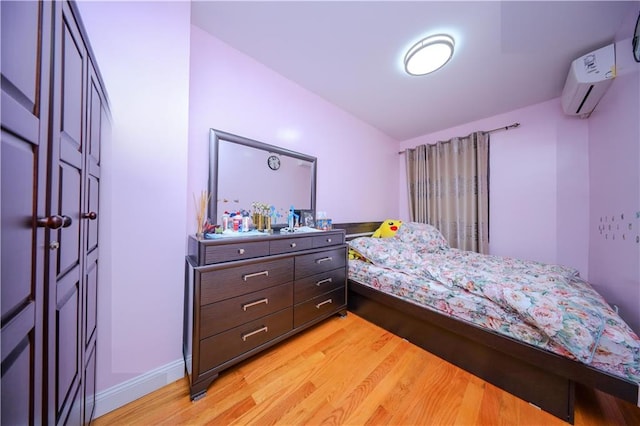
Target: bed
x: 450, y: 303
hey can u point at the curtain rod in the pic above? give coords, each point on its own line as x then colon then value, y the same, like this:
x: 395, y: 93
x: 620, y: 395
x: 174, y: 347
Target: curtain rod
x: 498, y: 129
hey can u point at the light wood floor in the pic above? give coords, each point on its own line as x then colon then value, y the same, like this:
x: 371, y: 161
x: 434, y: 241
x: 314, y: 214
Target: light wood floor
x: 347, y: 371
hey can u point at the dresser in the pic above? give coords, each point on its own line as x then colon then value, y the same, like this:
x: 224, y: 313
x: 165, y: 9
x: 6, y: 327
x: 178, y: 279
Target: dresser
x: 245, y: 294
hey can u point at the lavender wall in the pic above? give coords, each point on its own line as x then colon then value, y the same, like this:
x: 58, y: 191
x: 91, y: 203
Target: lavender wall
x: 614, y: 163
x: 157, y: 159
x: 357, y: 174
x: 144, y: 63
x: 528, y: 186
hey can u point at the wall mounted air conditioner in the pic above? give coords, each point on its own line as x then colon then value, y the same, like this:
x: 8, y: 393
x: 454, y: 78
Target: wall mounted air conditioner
x: 589, y: 78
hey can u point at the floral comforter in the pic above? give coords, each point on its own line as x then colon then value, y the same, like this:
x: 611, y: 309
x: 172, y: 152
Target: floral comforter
x: 548, y: 306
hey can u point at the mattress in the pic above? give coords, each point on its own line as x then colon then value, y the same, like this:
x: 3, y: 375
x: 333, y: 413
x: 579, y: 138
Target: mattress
x: 547, y: 306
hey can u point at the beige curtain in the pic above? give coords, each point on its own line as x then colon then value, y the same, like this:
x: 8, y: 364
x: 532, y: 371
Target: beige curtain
x: 448, y: 184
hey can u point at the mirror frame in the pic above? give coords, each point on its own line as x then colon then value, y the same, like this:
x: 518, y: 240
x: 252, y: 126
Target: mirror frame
x: 635, y: 42
x: 215, y: 136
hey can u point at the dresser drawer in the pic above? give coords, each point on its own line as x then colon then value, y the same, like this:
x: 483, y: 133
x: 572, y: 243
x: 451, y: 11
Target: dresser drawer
x: 314, y: 263
x: 225, y: 283
x: 221, y: 316
x: 315, y: 285
x: 225, y: 346
x: 289, y: 245
x: 319, y: 306
x: 328, y: 240
x: 237, y: 251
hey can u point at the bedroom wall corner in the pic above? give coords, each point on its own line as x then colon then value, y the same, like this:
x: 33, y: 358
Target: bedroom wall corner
x: 357, y: 164
x: 523, y: 180
x: 614, y: 165
x: 142, y: 49
x: 572, y: 197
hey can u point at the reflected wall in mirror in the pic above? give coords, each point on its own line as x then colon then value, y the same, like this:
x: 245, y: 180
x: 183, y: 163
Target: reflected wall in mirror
x: 243, y: 172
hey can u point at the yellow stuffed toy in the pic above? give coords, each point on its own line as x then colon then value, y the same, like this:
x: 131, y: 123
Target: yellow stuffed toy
x: 353, y: 255
x: 387, y: 229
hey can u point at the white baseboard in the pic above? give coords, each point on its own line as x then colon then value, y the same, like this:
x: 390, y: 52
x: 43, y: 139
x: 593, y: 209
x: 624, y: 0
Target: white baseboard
x: 126, y: 392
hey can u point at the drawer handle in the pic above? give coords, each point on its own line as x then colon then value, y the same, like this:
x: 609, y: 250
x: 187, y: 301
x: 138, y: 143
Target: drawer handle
x: 292, y: 245
x: 326, y: 280
x: 240, y: 251
x: 323, y: 303
x: 257, y: 302
x: 260, y: 330
x: 324, y: 259
x: 255, y: 274
x: 328, y: 240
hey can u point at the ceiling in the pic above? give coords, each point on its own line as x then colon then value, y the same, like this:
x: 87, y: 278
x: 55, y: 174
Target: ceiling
x: 508, y: 54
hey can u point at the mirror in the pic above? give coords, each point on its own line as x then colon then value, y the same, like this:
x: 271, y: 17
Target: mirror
x: 243, y: 172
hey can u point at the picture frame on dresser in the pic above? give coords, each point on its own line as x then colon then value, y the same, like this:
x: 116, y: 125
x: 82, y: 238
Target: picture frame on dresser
x: 306, y: 218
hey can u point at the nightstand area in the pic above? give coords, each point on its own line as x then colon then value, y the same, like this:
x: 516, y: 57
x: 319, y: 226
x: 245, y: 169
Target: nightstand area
x: 245, y: 294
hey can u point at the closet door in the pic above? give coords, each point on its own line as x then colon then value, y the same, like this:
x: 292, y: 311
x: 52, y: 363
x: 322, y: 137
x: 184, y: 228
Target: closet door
x: 26, y: 49
x: 90, y: 218
x: 65, y: 272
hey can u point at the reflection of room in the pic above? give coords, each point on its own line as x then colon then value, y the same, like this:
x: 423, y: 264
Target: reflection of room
x: 245, y: 178
x: 244, y: 172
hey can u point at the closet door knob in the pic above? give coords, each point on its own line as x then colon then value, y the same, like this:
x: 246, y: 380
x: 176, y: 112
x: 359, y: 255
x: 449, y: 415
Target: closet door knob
x: 54, y: 222
x: 90, y: 215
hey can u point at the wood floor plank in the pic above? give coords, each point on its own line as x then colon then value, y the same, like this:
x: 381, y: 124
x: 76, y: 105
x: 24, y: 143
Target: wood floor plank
x: 380, y: 417
x: 410, y: 383
x: 469, y: 411
x: 347, y: 371
x: 360, y: 391
x: 275, y: 408
x: 352, y: 376
x: 390, y: 384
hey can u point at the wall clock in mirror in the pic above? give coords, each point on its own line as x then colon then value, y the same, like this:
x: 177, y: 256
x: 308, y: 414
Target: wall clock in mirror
x: 274, y: 162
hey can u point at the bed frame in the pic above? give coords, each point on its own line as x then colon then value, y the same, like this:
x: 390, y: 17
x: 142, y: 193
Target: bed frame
x: 539, y: 377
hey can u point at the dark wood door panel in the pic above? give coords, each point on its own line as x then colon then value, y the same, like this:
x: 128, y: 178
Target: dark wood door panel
x: 18, y: 160
x: 21, y: 374
x: 67, y: 340
x: 95, y: 118
x: 73, y: 62
x: 69, y: 193
x: 90, y: 383
x: 21, y: 56
x: 91, y: 300
x: 25, y: 68
x: 73, y: 416
x: 17, y: 376
x: 18, y: 120
x: 92, y: 194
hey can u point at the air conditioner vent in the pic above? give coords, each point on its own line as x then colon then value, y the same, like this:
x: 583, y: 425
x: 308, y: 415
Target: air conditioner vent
x: 589, y: 78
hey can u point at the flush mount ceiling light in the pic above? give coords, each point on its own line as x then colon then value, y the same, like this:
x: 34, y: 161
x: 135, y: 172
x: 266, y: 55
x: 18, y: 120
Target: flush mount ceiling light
x: 429, y: 54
